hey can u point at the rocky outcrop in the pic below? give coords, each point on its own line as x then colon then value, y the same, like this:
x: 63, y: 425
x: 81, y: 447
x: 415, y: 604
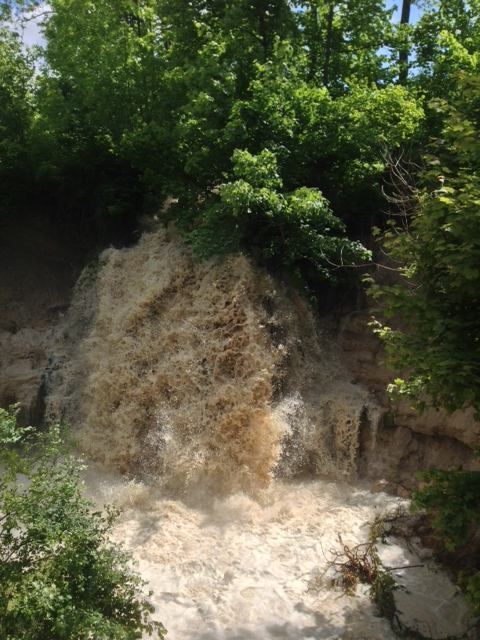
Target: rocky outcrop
x: 406, y: 441
x: 427, y: 605
x: 37, y: 271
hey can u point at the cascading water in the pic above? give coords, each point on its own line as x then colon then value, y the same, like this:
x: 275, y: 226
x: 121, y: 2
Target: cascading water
x: 203, y: 374
x: 211, y: 389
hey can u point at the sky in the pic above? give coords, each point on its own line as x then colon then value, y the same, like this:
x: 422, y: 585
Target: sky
x: 414, y: 12
x: 31, y: 32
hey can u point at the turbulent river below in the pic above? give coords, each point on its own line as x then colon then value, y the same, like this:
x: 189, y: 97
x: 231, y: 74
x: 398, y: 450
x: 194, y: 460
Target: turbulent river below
x: 238, y: 568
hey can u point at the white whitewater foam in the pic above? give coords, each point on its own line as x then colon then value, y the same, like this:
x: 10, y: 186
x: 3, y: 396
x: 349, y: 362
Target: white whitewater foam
x: 240, y: 569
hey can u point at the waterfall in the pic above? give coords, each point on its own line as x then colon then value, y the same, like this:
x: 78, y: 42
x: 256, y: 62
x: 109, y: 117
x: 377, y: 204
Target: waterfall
x: 203, y: 374
x: 213, y: 408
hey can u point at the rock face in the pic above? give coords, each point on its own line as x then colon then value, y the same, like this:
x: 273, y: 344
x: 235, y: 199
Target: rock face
x: 427, y: 604
x: 37, y: 271
x: 23, y: 357
x: 406, y: 442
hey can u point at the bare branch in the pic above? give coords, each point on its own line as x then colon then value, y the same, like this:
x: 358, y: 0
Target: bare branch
x: 36, y: 16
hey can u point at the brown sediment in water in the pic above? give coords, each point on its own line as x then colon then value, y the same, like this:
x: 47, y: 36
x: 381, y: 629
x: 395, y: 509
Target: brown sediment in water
x: 204, y: 373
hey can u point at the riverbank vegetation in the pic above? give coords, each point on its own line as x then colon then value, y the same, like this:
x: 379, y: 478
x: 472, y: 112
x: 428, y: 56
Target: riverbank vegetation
x: 270, y: 125
x: 129, y: 103
x: 60, y: 575
x: 436, y: 348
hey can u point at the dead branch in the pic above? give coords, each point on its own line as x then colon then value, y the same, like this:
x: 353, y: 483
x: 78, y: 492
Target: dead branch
x: 400, y: 189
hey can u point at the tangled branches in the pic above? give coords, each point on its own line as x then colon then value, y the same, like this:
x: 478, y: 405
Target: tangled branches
x: 400, y: 189
x: 354, y: 565
x: 361, y: 564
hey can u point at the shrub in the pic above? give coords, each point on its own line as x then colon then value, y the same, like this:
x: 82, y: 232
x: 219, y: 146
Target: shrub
x: 60, y: 576
x: 295, y: 230
x: 453, y: 500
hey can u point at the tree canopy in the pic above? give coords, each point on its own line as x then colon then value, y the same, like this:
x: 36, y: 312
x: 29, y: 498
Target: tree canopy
x: 438, y: 299
x: 269, y: 125
x: 132, y: 102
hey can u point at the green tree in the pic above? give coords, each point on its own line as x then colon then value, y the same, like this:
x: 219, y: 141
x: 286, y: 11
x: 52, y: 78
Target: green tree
x: 142, y: 100
x: 16, y: 111
x: 404, y: 48
x: 437, y: 300
x: 295, y: 230
x: 434, y: 339
x: 346, y: 41
x: 60, y: 575
x: 446, y: 40
x: 101, y: 79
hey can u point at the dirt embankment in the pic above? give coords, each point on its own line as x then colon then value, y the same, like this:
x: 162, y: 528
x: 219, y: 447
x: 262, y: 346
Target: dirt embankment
x: 406, y: 441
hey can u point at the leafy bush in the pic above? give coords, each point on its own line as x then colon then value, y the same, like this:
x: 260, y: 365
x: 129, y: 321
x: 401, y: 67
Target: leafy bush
x: 438, y: 250
x: 295, y: 230
x: 60, y: 576
x: 472, y: 588
x: 453, y: 500
x: 434, y: 304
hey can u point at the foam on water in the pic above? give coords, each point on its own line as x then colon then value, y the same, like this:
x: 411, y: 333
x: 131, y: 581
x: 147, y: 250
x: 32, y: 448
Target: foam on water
x: 238, y: 568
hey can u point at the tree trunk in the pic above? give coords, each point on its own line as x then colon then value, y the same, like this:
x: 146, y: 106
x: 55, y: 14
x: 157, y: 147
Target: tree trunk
x: 328, y: 44
x: 262, y: 27
x: 314, y: 40
x: 403, y: 54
